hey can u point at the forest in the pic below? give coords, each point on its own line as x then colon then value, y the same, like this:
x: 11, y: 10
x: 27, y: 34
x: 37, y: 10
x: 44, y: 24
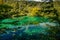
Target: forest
x: 30, y: 20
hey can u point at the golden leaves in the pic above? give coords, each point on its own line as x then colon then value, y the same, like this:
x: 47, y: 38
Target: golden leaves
x: 32, y: 10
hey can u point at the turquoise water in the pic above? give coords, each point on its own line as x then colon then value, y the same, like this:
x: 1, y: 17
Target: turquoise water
x: 25, y: 28
x: 25, y: 20
x: 27, y: 31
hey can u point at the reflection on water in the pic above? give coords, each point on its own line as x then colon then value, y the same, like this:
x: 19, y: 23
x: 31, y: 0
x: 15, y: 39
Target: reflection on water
x: 41, y: 28
x: 36, y: 29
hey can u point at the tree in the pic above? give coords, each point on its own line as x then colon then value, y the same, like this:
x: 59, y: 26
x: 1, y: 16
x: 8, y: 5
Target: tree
x: 49, y: 11
x: 5, y: 11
